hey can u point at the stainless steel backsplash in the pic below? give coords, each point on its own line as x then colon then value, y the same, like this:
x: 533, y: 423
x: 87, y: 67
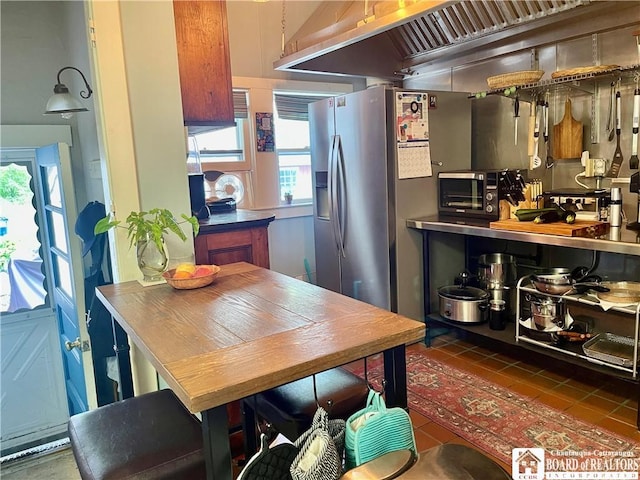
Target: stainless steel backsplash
x: 493, y: 143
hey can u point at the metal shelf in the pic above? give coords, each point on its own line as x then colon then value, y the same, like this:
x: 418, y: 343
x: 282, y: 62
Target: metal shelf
x: 524, y: 285
x: 584, y: 298
x: 627, y: 244
x: 571, y: 81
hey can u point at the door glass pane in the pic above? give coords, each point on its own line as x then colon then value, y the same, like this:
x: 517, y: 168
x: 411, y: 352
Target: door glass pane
x: 22, y: 283
x: 58, y: 234
x: 64, y: 275
x: 52, y: 186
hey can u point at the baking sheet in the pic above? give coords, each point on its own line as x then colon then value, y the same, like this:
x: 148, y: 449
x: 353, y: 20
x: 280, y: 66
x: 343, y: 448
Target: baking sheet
x: 610, y: 348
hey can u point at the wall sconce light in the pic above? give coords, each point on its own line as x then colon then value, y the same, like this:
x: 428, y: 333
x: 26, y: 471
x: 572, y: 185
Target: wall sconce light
x: 62, y: 102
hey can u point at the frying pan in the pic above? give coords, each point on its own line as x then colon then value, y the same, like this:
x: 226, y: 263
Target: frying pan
x: 559, y: 281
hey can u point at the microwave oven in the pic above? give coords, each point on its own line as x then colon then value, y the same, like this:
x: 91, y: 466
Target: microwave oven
x: 477, y: 193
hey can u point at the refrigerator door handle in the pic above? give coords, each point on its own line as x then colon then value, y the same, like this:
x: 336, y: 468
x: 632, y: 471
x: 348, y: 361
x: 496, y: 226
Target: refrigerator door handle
x: 341, y: 200
x: 332, y: 181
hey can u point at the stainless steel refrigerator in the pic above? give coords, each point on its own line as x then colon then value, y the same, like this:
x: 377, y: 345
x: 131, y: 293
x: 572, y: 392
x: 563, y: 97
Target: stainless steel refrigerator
x: 375, y: 156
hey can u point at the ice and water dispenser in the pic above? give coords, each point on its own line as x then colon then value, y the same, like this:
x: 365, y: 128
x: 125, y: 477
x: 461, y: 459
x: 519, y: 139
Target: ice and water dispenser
x: 322, y: 195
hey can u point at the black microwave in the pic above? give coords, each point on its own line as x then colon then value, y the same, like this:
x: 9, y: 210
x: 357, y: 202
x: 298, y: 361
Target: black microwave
x: 477, y: 193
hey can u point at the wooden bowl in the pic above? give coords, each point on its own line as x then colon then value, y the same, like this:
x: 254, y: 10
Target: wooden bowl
x: 191, y: 283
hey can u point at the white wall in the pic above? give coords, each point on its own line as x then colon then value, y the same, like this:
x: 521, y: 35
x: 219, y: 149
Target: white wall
x: 255, y: 40
x: 38, y: 39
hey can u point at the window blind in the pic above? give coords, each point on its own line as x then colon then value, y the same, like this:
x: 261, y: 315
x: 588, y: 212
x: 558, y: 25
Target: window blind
x: 240, y: 107
x: 295, y: 107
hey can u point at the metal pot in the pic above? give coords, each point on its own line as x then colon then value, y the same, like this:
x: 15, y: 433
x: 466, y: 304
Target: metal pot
x: 547, y: 312
x: 496, y: 270
x: 463, y: 304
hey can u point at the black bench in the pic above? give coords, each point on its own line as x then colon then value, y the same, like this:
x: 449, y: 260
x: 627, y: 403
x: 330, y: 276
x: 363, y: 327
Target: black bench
x: 289, y: 409
x: 149, y: 436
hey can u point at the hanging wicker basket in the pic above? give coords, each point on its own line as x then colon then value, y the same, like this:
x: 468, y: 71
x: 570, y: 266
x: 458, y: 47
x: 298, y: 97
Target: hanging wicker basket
x: 515, y: 78
x: 569, y: 72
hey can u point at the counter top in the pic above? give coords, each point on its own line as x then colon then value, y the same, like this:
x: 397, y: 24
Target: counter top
x: 234, y: 220
x: 627, y: 241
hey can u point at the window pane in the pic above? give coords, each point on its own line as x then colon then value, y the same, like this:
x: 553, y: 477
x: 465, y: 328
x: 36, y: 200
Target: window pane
x: 223, y: 139
x: 223, y: 145
x: 52, y: 186
x: 58, y: 235
x: 64, y: 275
x: 292, y: 133
x: 294, y: 158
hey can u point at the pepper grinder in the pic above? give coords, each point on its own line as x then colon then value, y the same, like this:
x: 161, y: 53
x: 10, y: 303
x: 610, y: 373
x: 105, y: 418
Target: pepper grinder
x: 615, y: 207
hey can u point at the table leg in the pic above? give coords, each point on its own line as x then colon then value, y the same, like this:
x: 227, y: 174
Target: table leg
x: 217, y: 451
x: 121, y: 347
x: 395, y: 375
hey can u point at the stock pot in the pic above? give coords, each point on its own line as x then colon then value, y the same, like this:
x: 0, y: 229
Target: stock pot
x: 497, y: 270
x: 547, y: 312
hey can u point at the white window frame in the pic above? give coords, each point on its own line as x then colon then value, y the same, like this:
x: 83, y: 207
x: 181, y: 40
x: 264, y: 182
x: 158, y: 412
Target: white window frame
x: 264, y: 173
x: 245, y: 164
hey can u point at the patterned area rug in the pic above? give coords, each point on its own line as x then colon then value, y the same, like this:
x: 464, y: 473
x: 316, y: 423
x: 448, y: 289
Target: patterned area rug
x: 492, y: 417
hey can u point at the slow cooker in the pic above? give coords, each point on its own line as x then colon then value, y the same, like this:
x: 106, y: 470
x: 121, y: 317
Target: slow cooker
x: 462, y: 303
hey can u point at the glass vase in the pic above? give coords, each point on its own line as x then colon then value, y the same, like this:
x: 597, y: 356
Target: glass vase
x: 152, y: 261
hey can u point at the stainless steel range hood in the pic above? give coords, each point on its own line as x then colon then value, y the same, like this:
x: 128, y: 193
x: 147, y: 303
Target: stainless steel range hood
x: 392, y: 41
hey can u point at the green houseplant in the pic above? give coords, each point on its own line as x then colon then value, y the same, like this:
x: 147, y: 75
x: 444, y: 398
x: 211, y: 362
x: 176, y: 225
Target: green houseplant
x: 146, y: 230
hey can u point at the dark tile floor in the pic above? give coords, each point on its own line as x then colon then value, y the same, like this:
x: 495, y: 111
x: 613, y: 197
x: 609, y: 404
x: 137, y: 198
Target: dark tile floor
x: 592, y: 397
x: 596, y: 399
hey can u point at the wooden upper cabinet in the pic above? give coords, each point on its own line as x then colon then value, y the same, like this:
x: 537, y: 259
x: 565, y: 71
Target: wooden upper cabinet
x: 202, y: 39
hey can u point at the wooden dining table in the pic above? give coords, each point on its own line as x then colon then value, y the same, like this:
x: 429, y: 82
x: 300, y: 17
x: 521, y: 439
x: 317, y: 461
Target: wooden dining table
x: 253, y: 329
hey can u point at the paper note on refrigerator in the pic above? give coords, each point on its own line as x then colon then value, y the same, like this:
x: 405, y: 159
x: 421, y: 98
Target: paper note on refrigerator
x: 414, y: 160
x: 412, y: 131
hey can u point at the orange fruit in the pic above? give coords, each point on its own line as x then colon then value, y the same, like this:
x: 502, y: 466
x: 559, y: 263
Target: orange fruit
x: 181, y: 274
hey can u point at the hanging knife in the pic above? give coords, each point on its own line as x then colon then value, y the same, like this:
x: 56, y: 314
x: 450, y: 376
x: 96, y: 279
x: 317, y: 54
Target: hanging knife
x: 633, y: 161
x: 516, y: 110
x: 547, y: 145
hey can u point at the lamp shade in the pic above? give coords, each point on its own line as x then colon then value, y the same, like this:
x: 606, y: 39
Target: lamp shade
x: 62, y: 101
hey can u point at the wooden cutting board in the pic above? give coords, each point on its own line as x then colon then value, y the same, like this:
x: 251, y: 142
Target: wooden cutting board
x: 567, y: 136
x: 581, y: 228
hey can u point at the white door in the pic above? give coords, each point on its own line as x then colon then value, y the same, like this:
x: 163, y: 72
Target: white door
x: 43, y: 280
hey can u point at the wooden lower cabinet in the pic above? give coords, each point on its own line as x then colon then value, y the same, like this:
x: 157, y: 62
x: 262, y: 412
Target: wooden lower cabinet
x: 243, y: 245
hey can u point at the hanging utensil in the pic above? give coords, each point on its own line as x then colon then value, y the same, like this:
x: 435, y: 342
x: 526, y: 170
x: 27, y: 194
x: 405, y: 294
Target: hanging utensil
x: 617, y: 155
x: 633, y: 161
x: 537, y: 161
x: 516, y: 114
x: 547, y: 145
x: 611, y: 126
x: 530, y: 133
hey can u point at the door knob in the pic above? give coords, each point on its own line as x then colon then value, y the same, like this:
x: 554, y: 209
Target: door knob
x: 71, y: 345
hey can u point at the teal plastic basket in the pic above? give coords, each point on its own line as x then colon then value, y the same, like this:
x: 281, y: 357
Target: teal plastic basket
x: 385, y: 430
